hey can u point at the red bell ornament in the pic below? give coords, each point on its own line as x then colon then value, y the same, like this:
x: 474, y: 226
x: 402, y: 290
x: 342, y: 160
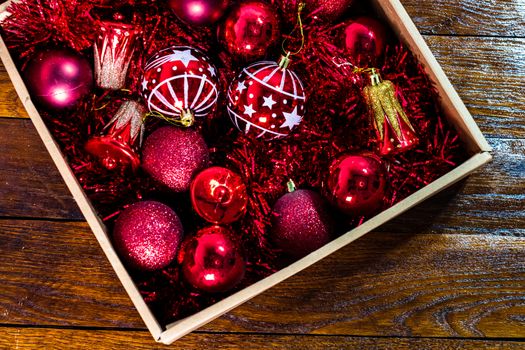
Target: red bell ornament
x: 180, y: 83
x: 122, y: 137
x: 267, y: 100
x: 394, y: 132
x: 211, y: 260
x: 113, y: 49
x: 219, y: 195
x: 357, y: 183
x: 249, y: 29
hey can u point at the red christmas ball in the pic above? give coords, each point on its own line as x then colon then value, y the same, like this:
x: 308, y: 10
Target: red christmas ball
x: 266, y: 101
x: 218, y: 195
x: 173, y: 155
x: 301, y: 223
x: 249, y: 29
x: 58, y: 78
x: 211, y: 260
x: 328, y: 10
x: 364, y: 40
x: 180, y: 82
x: 357, y: 183
x: 147, y: 235
x: 199, y: 12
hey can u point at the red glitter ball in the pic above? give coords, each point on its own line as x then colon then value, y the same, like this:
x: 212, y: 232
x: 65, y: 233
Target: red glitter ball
x: 357, y: 183
x: 218, y: 195
x: 173, y: 155
x: 301, y: 223
x: 212, y: 260
x: 147, y: 235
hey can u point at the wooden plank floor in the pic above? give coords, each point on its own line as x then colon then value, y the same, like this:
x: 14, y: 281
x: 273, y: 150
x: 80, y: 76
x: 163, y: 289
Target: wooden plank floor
x: 450, y: 274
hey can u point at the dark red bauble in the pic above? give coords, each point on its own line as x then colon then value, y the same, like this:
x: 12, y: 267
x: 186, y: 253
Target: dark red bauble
x: 301, y: 223
x: 328, y: 10
x: 218, y: 195
x: 364, y: 40
x: 173, y: 155
x: 266, y: 101
x: 58, y: 78
x: 249, y: 29
x: 211, y: 260
x: 147, y: 235
x: 199, y: 12
x: 357, y: 183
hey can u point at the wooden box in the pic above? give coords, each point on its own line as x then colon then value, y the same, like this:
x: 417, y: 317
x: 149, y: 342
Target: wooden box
x: 455, y: 110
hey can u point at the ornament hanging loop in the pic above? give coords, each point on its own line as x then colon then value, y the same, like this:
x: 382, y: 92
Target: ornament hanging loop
x: 299, y: 25
x: 186, y: 120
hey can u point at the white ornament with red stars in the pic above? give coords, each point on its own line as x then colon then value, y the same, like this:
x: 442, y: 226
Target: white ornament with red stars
x: 180, y: 81
x: 267, y: 100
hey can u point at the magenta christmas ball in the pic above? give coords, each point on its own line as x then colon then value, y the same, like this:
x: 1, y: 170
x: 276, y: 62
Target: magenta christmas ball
x: 58, y: 78
x: 199, y: 12
x: 147, y: 235
x: 301, y: 223
x: 172, y: 156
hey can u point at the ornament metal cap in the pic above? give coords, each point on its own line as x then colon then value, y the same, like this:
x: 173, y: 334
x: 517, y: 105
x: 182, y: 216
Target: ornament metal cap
x: 375, y: 77
x: 284, y: 61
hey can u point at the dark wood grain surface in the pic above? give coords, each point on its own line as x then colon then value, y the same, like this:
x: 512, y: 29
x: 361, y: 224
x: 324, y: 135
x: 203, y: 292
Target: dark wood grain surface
x: 449, y: 274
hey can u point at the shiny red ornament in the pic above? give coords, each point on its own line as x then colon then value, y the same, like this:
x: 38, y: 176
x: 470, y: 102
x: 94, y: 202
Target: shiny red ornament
x: 219, y: 195
x: 180, y: 82
x: 249, y: 29
x: 172, y: 156
x: 357, y: 183
x: 58, y: 78
x: 113, y: 50
x: 328, y: 10
x: 211, y: 260
x: 147, y: 235
x: 364, y: 40
x: 267, y: 100
x: 199, y: 12
x: 118, y: 146
x: 301, y: 223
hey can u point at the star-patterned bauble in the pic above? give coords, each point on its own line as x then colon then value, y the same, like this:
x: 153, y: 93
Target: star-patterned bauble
x: 267, y: 100
x: 181, y: 83
x: 212, y: 260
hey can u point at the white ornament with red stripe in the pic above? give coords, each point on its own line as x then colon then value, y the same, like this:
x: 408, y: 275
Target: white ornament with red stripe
x: 180, y: 82
x: 267, y: 100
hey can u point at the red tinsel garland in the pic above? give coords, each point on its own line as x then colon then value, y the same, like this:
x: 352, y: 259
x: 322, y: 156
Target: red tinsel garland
x: 331, y: 126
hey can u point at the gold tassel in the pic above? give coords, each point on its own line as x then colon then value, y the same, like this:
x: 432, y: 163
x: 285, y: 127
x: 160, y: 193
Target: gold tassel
x: 387, y: 112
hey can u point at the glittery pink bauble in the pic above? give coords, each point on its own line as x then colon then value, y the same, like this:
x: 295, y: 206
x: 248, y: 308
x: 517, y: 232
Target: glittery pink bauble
x: 58, y: 78
x: 328, y: 10
x: 198, y: 12
x: 266, y: 101
x: 180, y: 80
x: 301, y: 223
x: 249, y: 29
x: 172, y: 155
x: 364, y: 40
x: 211, y: 260
x: 147, y: 235
x: 357, y: 183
